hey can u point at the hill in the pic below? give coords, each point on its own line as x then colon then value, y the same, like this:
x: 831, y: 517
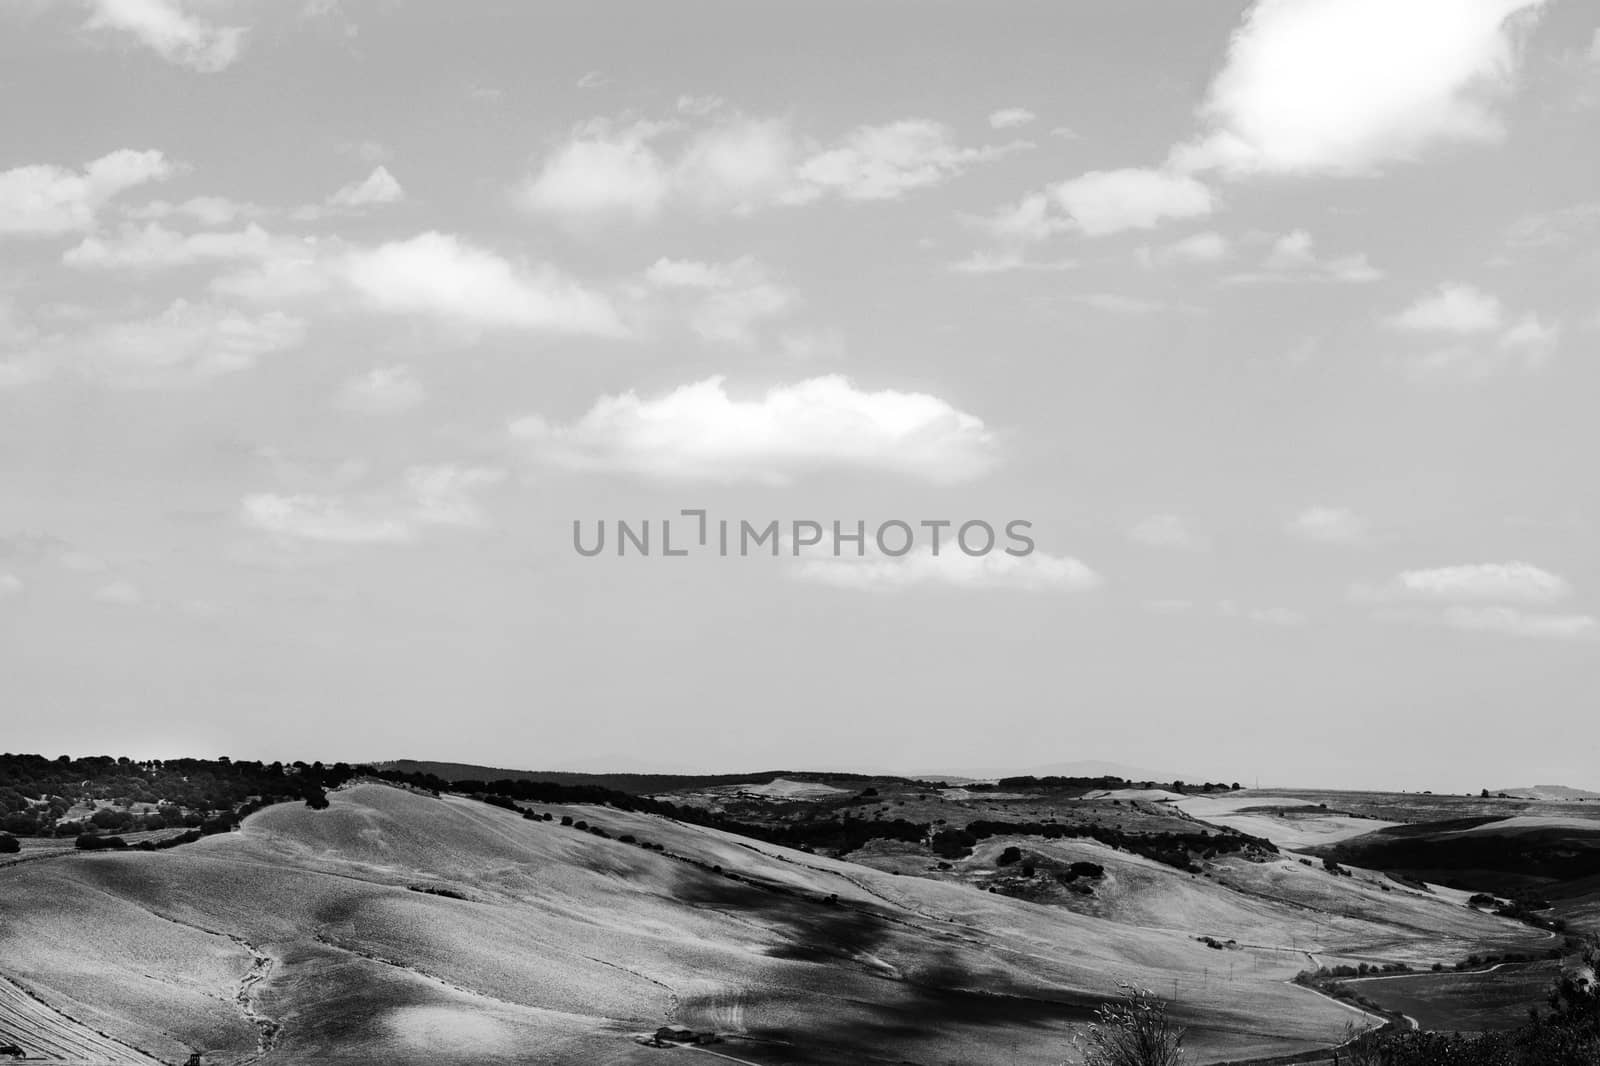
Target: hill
x: 395, y: 926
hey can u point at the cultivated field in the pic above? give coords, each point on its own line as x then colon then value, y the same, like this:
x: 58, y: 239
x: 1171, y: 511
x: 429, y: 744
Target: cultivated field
x: 395, y: 926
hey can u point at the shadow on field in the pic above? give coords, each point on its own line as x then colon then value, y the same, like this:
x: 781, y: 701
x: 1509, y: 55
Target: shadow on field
x: 858, y: 1006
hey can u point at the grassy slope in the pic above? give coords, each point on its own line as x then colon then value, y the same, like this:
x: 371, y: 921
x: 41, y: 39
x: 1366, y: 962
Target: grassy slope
x: 568, y: 942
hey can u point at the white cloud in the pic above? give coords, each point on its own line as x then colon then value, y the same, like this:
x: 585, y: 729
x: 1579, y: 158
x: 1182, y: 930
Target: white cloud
x: 321, y: 518
x: 166, y: 28
x: 1293, y: 257
x: 699, y: 432
x: 206, y: 210
x: 1008, y: 261
x: 1518, y: 623
x: 183, y: 343
x: 1205, y: 247
x: 1453, y: 309
x: 379, y: 187
x: 440, y: 495
x: 441, y: 275
x: 1270, y: 616
x: 1110, y: 201
x: 383, y: 390
x: 1329, y: 525
x: 725, y: 303
x: 1009, y: 118
x: 43, y: 200
x: 1099, y: 203
x: 1037, y: 571
x: 1472, y: 335
x: 1344, y: 86
x: 434, y: 274
x: 153, y: 246
x: 601, y: 171
x: 119, y: 593
x: 1513, y: 582
x: 885, y: 162
x: 1165, y: 531
x: 713, y: 160
x: 11, y: 586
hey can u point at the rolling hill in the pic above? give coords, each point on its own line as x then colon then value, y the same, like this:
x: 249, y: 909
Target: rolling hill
x: 398, y: 926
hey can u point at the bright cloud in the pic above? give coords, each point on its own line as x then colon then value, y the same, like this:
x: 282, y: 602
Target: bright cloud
x: 1165, y: 531
x: 153, y: 246
x: 1206, y: 247
x: 1293, y: 257
x: 728, y: 162
x: 952, y: 568
x: 441, y: 275
x: 184, y: 343
x: 166, y: 28
x: 1518, y: 623
x: 383, y: 390
x: 725, y: 303
x: 1102, y: 202
x: 1452, y: 308
x: 379, y: 187
x: 432, y: 496
x: 699, y: 432
x: 435, y: 275
x: 43, y: 200
x: 1329, y: 525
x: 1009, y: 118
x: 1471, y: 335
x: 1345, y: 86
x: 1513, y: 582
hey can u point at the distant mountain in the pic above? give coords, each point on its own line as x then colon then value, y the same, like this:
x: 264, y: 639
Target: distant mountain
x: 1081, y: 768
x: 1548, y: 793
x: 634, y: 783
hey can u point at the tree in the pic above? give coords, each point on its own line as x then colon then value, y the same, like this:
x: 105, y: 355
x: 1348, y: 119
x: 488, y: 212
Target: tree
x: 1133, y: 1031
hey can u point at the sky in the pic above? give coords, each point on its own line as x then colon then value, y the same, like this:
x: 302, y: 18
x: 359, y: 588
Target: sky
x: 323, y: 323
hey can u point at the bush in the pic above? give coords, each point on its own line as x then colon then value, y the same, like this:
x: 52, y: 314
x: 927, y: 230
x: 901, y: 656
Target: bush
x: 9, y: 844
x: 1133, y: 1031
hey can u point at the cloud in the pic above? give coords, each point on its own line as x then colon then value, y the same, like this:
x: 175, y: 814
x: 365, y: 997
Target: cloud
x: 441, y: 275
x: 1452, y: 308
x: 1293, y: 257
x: 885, y: 162
x: 379, y: 187
x: 167, y: 29
x: 726, y: 303
x: 184, y: 343
x: 1007, y: 261
x: 1205, y: 247
x: 1518, y: 623
x: 383, y: 390
x: 1343, y: 87
x: 1329, y: 525
x: 711, y: 160
x: 1504, y: 583
x: 435, y: 275
x: 153, y: 246
x: 1270, y: 616
x: 1009, y: 118
x: 699, y: 433
x: 1165, y: 531
x: 11, y: 586
x: 952, y: 568
x: 1471, y: 334
x: 433, y: 496
x: 1119, y: 304
x: 206, y: 210
x: 44, y: 200
x: 119, y: 593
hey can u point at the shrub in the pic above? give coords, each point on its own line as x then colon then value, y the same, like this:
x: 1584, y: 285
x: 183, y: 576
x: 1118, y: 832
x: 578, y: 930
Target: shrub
x: 9, y: 844
x: 1133, y: 1031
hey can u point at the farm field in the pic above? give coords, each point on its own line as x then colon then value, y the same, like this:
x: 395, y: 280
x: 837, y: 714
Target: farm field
x: 395, y: 925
